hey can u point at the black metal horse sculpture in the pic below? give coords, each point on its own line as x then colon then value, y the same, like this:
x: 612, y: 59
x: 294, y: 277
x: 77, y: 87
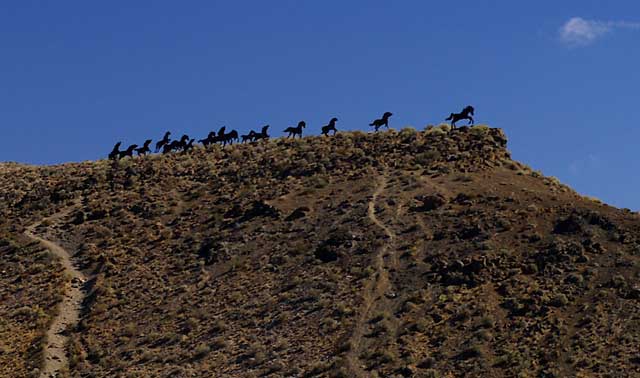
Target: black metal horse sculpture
x: 464, y: 114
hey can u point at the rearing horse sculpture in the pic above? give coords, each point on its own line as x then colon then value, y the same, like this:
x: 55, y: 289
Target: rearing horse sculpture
x: 115, y: 153
x: 163, y: 142
x: 455, y: 117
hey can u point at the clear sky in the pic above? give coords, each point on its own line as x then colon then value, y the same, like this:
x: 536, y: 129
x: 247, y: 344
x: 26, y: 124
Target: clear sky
x: 560, y: 77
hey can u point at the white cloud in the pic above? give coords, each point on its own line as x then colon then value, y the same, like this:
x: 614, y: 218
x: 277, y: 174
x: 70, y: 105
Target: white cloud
x: 580, y: 32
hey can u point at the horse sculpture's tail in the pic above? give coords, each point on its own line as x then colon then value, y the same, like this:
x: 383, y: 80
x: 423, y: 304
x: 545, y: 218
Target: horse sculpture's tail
x: 450, y: 117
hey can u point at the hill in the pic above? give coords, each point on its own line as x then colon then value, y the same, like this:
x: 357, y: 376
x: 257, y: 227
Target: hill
x: 396, y: 254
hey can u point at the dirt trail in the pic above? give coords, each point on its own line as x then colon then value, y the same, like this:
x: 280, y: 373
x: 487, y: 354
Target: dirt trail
x: 377, y: 289
x: 68, y: 312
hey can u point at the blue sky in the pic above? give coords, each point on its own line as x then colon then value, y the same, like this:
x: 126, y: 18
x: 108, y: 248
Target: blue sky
x: 560, y: 77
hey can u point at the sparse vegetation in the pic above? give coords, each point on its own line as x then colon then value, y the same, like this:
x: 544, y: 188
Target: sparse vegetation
x: 30, y: 288
x: 262, y: 260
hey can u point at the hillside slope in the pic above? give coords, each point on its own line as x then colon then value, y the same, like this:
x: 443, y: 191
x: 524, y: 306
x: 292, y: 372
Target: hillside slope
x: 409, y: 254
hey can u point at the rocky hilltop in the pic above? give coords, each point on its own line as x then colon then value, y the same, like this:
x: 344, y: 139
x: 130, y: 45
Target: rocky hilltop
x: 396, y: 254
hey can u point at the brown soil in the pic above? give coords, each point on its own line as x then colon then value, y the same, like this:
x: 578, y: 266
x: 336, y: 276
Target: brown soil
x: 397, y: 254
x: 68, y: 312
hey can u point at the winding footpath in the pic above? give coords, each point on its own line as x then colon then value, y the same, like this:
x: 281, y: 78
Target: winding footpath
x: 68, y: 312
x: 376, y: 289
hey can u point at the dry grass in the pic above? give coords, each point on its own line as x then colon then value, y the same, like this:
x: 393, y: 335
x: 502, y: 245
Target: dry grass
x: 199, y: 271
x: 30, y: 288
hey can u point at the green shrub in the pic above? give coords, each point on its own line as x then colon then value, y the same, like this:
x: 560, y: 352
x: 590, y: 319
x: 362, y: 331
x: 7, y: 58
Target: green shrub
x: 201, y: 351
x: 407, y: 131
x: 479, y: 130
x: 436, y: 131
x: 427, y: 157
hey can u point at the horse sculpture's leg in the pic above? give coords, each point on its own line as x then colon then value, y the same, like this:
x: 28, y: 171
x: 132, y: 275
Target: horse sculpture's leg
x: 471, y: 120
